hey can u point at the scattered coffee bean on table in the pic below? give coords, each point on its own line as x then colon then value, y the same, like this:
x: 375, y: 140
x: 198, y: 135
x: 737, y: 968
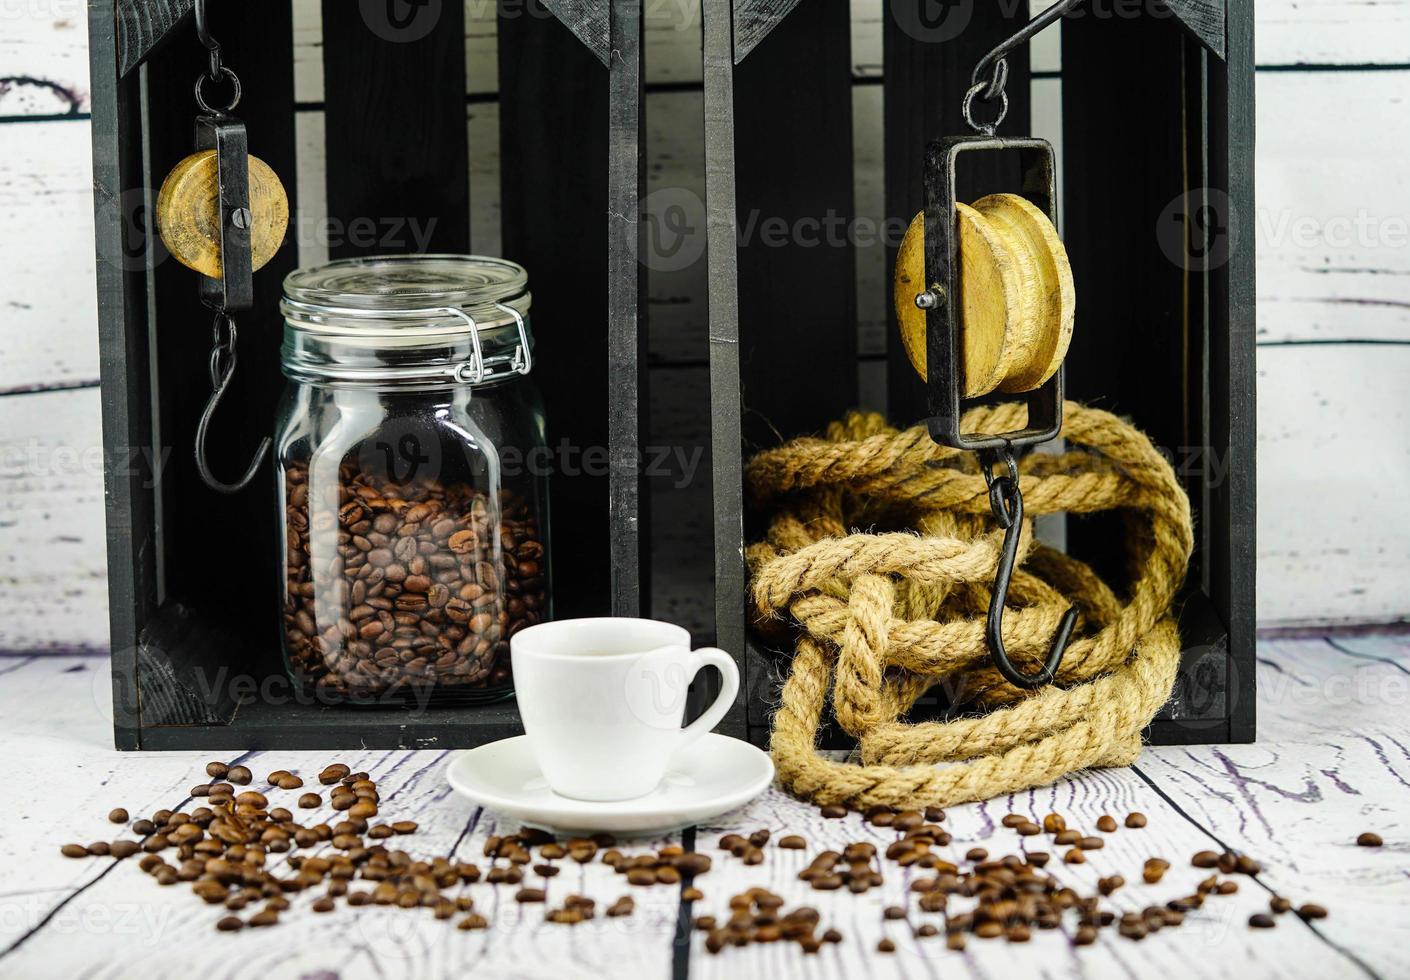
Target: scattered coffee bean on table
x: 1135, y: 821
x: 834, y: 811
x: 1369, y: 839
x: 1106, y: 823
x: 239, y: 776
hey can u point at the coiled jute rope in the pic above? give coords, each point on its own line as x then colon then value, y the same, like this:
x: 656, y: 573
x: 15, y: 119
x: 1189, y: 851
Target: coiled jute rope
x: 877, y: 617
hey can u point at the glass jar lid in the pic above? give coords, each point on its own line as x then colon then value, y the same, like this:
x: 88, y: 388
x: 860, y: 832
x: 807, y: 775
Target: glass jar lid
x: 461, y: 318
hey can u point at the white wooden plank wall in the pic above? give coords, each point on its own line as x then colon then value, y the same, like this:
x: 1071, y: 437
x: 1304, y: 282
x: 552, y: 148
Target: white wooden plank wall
x: 1333, y: 322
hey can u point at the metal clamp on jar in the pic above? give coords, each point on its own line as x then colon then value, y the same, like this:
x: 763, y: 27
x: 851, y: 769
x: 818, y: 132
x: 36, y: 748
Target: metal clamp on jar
x: 414, y: 516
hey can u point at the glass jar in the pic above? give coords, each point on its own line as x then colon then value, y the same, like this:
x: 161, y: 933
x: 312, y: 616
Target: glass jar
x: 414, y: 516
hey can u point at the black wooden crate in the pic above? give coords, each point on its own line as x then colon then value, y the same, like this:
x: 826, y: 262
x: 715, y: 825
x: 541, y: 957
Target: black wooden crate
x: 192, y: 573
x: 1151, y: 113
x: 1156, y: 186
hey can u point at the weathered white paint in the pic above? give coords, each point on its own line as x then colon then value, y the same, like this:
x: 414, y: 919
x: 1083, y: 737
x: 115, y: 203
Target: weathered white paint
x: 1327, y: 154
x: 48, y: 307
x: 53, y: 572
x: 1330, y: 763
x: 1332, y: 32
x: 1333, y: 478
x: 44, y: 48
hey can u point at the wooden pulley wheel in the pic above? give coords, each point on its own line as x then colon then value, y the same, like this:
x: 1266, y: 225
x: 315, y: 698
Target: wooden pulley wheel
x: 188, y: 213
x: 1017, y: 299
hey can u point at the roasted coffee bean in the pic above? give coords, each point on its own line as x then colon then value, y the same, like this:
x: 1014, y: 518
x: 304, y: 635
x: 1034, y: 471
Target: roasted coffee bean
x: 1279, y: 904
x: 893, y: 912
x: 1154, y: 870
x: 833, y: 811
x: 310, y: 801
x: 1106, y: 823
x: 933, y: 814
x: 231, y: 923
x: 143, y: 827
x: 1029, y: 829
x: 216, y: 770
x: 792, y: 842
x: 473, y: 921
x: 1309, y: 912
x: 1054, y: 823
x: 124, y: 848
x: 1135, y: 821
x: 1091, y: 843
x: 1014, y: 820
x: 420, y: 593
x: 117, y: 816
x: 73, y: 851
x: 1066, y: 838
x: 1205, y: 859
x: 886, y: 946
x: 529, y: 895
x: 239, y: 776
x: 1369, y: 839
x: 1074, y: 856
x: 1261, y: 920
x: 1110, y: 884
x: 404, y: 827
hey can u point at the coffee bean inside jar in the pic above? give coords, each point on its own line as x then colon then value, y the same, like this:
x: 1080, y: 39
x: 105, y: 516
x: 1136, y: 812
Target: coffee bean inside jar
x: 415, y: 535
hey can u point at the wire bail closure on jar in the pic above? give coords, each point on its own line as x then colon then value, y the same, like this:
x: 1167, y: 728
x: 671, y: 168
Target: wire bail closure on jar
x: 473, y: 371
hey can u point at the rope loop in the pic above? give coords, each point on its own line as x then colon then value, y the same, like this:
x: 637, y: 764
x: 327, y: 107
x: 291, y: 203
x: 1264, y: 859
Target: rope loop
x: 877, y: 619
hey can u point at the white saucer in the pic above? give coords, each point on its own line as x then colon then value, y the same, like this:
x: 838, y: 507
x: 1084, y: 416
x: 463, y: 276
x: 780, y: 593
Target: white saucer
x: 711, y: 776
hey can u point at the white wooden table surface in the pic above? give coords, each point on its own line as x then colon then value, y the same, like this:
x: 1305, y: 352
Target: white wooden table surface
x: 1333, y: 760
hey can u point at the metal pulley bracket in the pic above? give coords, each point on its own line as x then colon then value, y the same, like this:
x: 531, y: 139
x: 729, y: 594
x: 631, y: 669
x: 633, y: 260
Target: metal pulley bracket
x: 942, y: 299
x: 234, y: 291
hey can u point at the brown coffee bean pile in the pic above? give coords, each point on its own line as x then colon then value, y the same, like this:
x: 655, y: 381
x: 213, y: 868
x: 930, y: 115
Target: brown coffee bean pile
x: 427, y: 585
x: 756, y: 916
x: 223, y: 851
x: 1011, y: 895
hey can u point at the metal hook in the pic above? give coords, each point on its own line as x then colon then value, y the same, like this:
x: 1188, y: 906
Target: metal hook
x: 995, y: 84
x: 222, y: 368
x: 203, y: 34
x: 1006, y: 502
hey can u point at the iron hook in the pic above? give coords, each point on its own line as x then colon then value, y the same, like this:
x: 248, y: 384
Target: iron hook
x: 1006, y: 501
x: 222, y: 369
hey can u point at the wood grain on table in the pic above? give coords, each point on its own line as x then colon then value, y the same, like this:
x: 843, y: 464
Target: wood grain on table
x: 1333, y: 760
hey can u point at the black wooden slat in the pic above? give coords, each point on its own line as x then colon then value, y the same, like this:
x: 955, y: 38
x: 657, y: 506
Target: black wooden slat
x: 725, y: 404
x: 554, y: 153
x: 1231, y: 520
x: 1123, y: 227
x: 141, y: 25
x: 797, y: 260
x: 119, y: 201
x: 928, y: 65
x: 589, y: 20
x: 1204, y: 19
x: 395, y: 127
x: 626, y: 339
x: 753, y: 20
x: 218, y: 548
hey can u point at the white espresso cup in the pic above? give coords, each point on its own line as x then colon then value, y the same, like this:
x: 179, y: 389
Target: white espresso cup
x: 603, y: 701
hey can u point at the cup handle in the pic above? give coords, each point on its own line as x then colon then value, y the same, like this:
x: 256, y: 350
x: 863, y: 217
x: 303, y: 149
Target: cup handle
x: 713, y: 657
